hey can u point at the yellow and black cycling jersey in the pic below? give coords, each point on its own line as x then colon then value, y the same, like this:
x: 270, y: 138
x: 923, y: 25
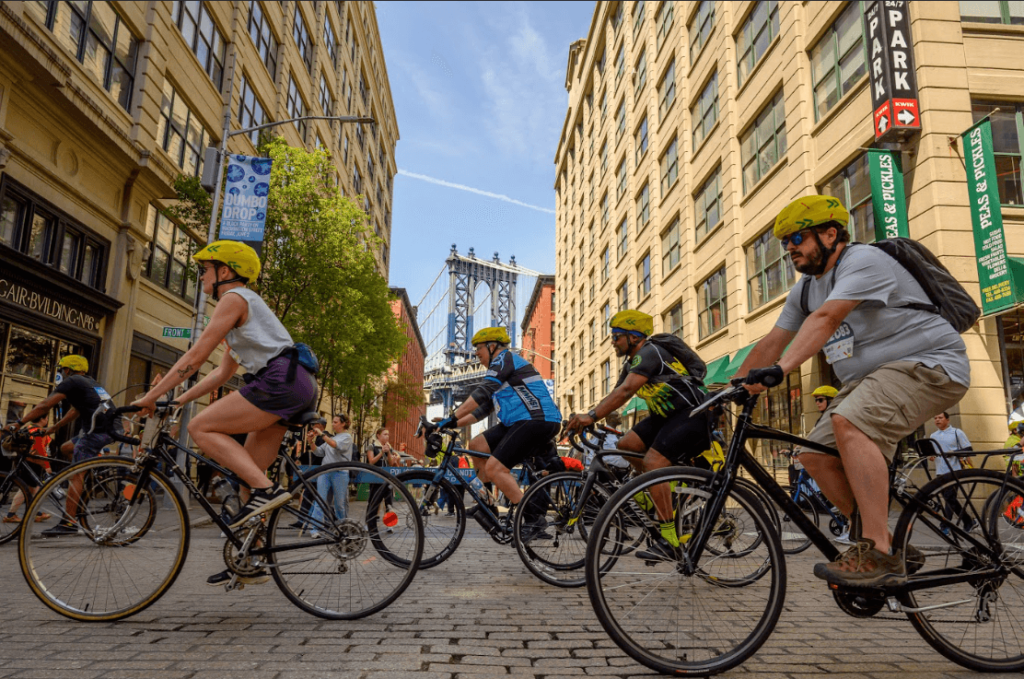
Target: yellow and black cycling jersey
x: 668, y: 389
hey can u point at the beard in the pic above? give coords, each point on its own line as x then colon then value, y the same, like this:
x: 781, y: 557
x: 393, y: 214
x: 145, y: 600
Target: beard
x: 811, y: 265
x: 620, y: 352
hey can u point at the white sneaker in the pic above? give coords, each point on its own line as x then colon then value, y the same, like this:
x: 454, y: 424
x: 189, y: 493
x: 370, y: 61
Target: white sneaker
x: 844, y: 537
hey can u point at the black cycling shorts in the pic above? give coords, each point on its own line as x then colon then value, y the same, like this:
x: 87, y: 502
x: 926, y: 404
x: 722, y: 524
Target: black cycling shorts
x: 679, y: 438
x: 519, y: 441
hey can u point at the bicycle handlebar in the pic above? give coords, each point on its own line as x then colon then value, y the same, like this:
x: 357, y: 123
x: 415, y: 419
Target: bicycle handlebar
x: 728, y: 394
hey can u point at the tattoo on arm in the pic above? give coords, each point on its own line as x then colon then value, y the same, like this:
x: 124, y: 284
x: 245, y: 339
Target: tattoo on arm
x: 185, y: 372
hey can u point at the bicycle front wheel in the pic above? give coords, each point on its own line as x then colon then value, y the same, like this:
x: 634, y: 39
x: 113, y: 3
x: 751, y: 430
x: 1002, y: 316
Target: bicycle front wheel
x: 119, y: 545
x: 673, y: 621
x: 442, y: 530
x: 11, y: 487
x: 976, y: 622
x: 345, y: 562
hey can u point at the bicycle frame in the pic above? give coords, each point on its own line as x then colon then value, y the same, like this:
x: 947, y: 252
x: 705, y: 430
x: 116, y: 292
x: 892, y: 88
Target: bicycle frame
x: 804, y: 490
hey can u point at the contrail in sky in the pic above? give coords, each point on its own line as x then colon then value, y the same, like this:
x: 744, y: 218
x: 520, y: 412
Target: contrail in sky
x: 480, y: 192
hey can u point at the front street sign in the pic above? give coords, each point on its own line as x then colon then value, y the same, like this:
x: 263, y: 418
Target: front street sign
x: 183, y: 333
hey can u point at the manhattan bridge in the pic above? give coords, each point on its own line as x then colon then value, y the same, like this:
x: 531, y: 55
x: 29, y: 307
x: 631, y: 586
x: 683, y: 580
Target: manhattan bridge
x: 479, y: 293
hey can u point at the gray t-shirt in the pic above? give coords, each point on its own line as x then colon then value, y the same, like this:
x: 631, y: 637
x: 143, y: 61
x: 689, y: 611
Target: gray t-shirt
x: 877, y: 332
x: 343, y: 453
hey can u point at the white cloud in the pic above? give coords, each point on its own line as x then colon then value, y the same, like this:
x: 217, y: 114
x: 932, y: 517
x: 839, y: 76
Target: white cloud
x: 470, y: 189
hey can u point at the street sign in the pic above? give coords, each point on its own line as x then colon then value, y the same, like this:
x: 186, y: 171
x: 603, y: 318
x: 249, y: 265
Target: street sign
x: 183, y: 333
x: 891, y: 68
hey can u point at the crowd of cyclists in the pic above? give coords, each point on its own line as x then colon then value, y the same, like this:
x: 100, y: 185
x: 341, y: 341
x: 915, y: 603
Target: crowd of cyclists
x: 898, y: 361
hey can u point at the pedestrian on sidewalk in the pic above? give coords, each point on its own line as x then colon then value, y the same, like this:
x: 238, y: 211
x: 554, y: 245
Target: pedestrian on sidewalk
x: 951, y: 439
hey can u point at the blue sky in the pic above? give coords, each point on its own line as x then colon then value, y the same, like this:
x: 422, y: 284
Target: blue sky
x: 479, y: 92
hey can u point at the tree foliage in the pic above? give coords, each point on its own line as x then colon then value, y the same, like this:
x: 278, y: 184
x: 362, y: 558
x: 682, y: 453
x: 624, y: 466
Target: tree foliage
x: 318, y: 273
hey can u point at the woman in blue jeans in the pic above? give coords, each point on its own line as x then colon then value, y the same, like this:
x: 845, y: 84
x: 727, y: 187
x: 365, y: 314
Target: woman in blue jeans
x: 337, y: 448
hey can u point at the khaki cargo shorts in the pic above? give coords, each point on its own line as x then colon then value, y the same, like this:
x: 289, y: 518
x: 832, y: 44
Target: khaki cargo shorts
x: 890, y: 403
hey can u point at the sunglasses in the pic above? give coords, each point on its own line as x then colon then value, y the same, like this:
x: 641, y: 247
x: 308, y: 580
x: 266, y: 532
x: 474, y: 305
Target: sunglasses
x: 616, y: 336
x: 795, y: 239
x: 820, y: 399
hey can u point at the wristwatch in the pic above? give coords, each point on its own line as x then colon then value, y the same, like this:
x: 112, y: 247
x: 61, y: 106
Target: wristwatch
x: 592, y: 414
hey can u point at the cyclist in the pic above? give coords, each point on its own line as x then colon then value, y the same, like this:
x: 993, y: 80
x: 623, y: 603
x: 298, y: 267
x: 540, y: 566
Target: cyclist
x: 898, y: 365
x: 39, y: 445
x: 669, y: 435
x: 86, y: 397
x: 528, y: 419
x: 277, y: 387
x: 823, y: 396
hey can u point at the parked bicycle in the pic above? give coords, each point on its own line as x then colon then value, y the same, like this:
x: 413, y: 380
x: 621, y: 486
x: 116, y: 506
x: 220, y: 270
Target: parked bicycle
x: 133, y: 535
x: 963, y: 594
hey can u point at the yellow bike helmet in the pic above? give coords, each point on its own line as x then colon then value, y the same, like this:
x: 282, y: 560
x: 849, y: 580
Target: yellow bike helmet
x: 79, y: 364
x: 632, y: 321
x: 495, y: 334
x: 809, y: 211
x: 826, y: 391
x: 237, y: 256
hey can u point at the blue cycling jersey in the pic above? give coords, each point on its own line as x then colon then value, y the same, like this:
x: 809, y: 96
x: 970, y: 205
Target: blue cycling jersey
x: 515, y: 389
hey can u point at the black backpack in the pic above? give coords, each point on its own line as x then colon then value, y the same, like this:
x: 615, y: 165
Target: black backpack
x: 693, y: 363
x: 948, y: 298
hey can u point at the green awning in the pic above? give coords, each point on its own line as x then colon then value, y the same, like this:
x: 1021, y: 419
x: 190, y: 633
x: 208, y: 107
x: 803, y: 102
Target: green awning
x: 635, y: 403
x: 737, y: 361
x: 716, y: 371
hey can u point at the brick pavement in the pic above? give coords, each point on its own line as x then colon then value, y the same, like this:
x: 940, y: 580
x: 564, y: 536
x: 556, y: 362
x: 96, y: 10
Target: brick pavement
x: 481, y: 614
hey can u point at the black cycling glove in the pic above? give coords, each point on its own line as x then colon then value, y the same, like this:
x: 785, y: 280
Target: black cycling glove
x: 769, y: 377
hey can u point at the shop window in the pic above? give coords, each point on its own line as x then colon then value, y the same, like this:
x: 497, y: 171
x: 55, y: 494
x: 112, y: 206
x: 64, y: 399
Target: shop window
x: 35, y: 228
x: 97, y: 37
x: 838, y: 60
x: 262, y: 37
x: 769, y: 270
x: 780, y: 408
x: 202, y: 37
x: 1007, y: 146
x: 172, y: 250
x: 852, y: 186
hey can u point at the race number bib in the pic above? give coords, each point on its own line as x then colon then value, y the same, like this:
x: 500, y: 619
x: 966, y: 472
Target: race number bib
x: 840, y: 344
x: 102, y: 393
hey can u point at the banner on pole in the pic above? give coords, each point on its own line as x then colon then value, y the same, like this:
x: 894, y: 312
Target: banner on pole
x: 888, y: 198
x: 245, y: 198
x: 995, y: 270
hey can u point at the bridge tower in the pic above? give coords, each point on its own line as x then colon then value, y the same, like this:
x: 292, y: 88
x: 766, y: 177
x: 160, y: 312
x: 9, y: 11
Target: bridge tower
x: 465, y: 274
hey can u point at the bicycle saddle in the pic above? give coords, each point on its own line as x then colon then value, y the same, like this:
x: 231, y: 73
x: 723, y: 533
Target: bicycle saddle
x: 300, y: 420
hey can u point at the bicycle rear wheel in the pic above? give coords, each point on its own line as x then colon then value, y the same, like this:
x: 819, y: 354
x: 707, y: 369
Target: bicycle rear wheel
x: 356, y: 564
x: 556, y: 553
x: 979, y: 624
x: 111, y: 566
x: 677, y: 623
x: 441, y: 533
x: 793, y: 538
x: 10, y: 487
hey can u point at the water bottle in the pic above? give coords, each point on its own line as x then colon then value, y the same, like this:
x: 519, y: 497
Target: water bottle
x: 476, y: 484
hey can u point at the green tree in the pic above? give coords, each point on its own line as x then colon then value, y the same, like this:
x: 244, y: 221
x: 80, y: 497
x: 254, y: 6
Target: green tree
x: 318, y: 273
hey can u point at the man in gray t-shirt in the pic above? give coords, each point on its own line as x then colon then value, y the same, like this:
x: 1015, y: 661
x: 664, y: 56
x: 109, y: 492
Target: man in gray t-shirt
x: 899, y: 366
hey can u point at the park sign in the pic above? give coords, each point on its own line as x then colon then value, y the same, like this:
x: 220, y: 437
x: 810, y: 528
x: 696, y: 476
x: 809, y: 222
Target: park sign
x: 893, y: 79
x: 888, y: 198
x: 997, y: 273
x: 245, y: 198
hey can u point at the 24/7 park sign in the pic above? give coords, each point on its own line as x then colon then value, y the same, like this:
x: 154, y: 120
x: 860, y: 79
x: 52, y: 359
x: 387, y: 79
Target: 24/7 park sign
x: 891, y: 69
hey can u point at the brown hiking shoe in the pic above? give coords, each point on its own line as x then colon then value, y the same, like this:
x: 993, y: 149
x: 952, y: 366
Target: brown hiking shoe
x: 864, y: 566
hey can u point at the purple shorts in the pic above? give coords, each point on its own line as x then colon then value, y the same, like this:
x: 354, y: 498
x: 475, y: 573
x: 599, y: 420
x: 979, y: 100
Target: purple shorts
x: 271, y: 391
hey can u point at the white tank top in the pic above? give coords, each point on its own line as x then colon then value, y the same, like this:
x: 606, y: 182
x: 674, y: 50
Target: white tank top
x: 262, y: 336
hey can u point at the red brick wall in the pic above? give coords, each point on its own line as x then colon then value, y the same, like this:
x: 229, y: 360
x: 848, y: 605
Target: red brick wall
x: 537, y: 337
x: 410, y: 366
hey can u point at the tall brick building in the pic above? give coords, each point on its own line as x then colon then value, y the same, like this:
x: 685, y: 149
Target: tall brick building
x: 538, y: 328
x: 409, y: 370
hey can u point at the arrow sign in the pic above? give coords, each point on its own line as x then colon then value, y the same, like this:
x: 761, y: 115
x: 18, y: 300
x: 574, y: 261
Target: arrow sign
x: 883, y: 124
x: 905, y: 117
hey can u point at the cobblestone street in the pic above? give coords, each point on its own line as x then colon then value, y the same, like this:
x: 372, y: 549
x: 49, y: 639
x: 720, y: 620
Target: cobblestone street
x: 479, y: 614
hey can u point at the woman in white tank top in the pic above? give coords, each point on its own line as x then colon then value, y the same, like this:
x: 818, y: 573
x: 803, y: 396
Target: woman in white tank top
x: 257, y: 340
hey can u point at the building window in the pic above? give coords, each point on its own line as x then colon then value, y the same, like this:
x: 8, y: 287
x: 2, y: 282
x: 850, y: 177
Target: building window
x: 604, y: 210
x: 592, y: 285
x: 202, y: 36
x: 759, y: 29
x: 643, y: 207
x: 620, y: 188
x: 764, y: 143
x: 674, y: 320
x: 330, y: 42
x: 837, y: 61
x: 250, y: 111
x: 296, y: 107
x: 1007, y: 146
x: 711, y: 298
x: 262, y: 37
x: 769, y: 270
x: 638, y: 16
x: 670, y: 248
x: 180, y: 132
x: 620, y: 61
x: 326, y: 100
x: 641, y: 140
x: 605, y: 265
x: 700, y: 29
x: 705, y: 112
x: 97, y: 37
x: 593, y: 333
x: 669, y: 168
x: 640, y: 77
x: 852, y: 186
x: 604, y: 158
x: 643, y: 277
x: 344, y: 152
x: 616, y: 18
x: 624, y: 295
x: 992, y: 12
x: 667, y: 90
x: 606, y: 378
x: 623, y: 238
x: 620, y: 120
x: 357, y: 181
x: 302, y: 40
x: 172, y: 248
x: 606, y: 315
x: 35, y: 228
x: 664, y: 18
x: 707, y: 205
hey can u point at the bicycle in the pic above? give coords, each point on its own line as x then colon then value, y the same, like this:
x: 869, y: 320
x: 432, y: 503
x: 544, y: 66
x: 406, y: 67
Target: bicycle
x: 963, y: 597
x: 441, y: 534
x: 20, y: 478
x: 133, y: 535
x: 815, y: 506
